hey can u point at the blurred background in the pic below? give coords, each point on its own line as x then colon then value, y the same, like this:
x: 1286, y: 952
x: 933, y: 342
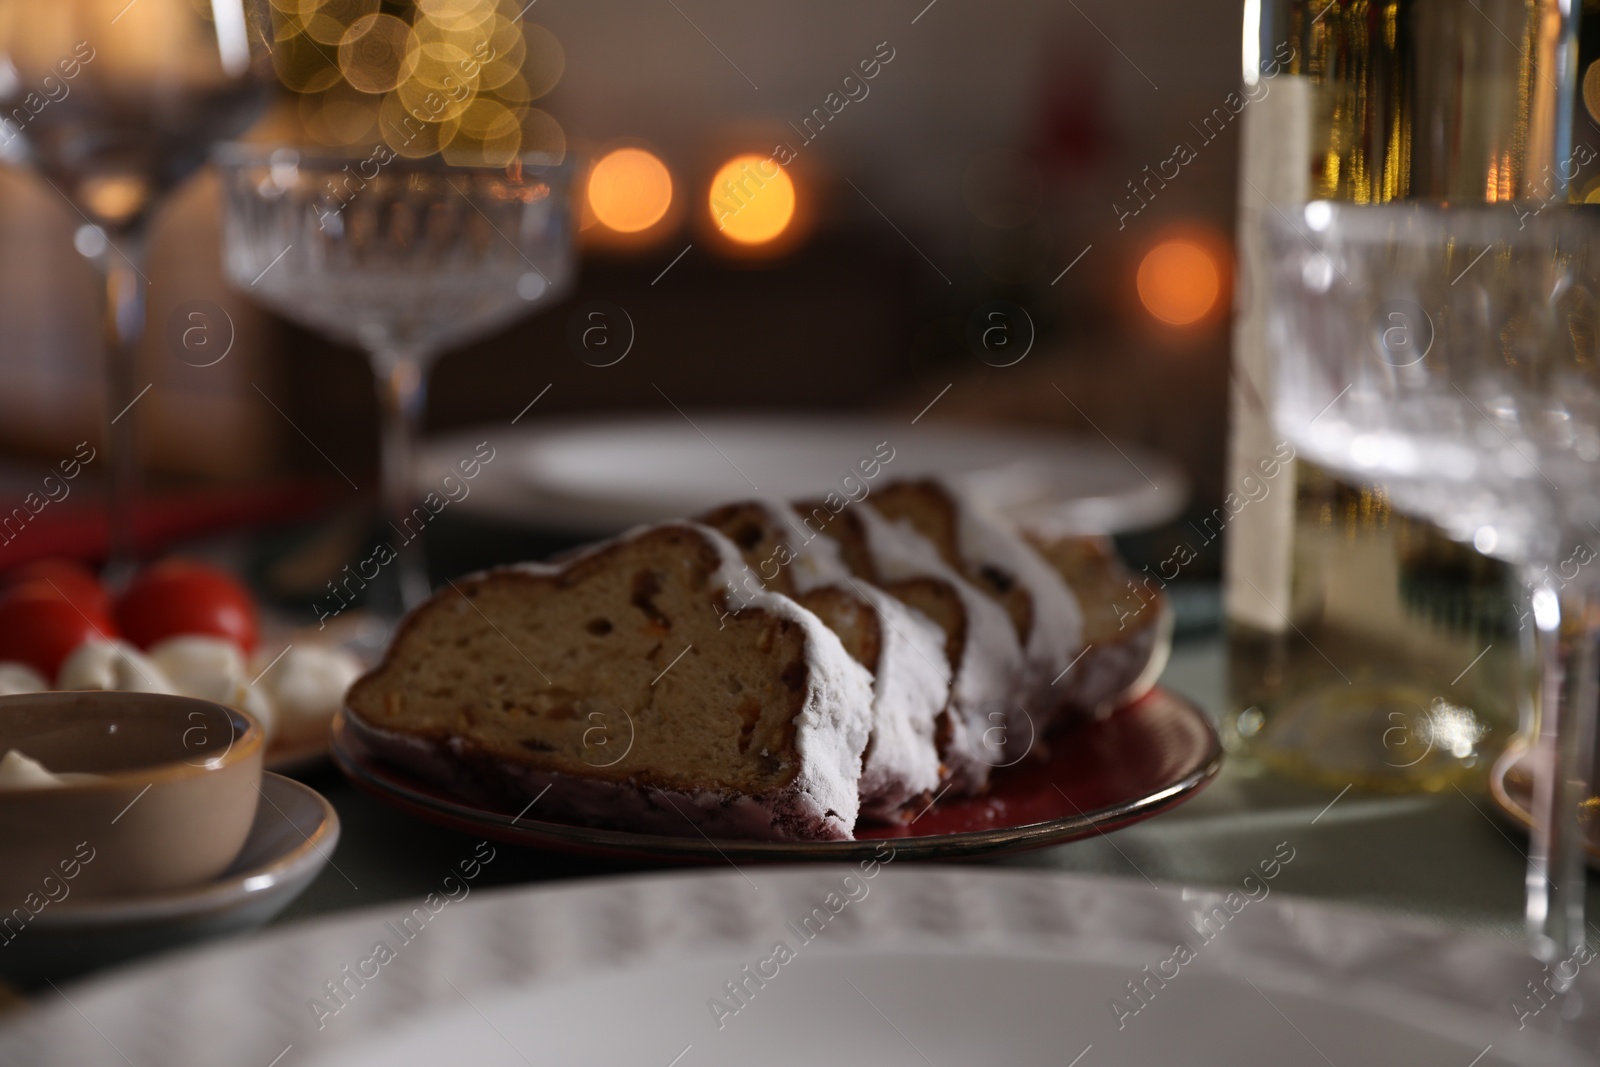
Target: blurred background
x: 930, y: 169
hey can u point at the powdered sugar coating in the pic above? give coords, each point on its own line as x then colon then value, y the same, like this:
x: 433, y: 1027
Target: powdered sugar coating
x: 984, y: 684
x: 911, y: 685
x: 910, y: 689
x: 1056, y: 637
x: 818, y: 563
x: 830, y: 734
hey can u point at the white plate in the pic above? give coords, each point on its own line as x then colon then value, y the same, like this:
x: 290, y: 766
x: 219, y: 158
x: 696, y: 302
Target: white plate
x: 913, y: 966
x: 597, y: 476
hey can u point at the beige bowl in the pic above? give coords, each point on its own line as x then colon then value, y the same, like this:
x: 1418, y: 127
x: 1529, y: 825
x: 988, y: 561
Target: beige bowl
x: 182, y: 780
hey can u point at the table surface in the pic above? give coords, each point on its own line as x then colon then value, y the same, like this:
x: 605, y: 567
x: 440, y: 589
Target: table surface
x: 1449, y: 857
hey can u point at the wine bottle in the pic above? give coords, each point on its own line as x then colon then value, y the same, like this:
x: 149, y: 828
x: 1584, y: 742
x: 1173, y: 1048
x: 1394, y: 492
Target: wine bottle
x: 1365, y: 647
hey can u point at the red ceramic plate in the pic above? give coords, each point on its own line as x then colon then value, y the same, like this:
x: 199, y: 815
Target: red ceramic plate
x: 1146, y: 757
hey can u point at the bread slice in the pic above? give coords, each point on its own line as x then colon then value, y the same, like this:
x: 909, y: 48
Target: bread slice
x: 1043, y: 609
x: 902, y: 648
x: 625, y: 681
x: 1127, y: 635
x: 982, y: 711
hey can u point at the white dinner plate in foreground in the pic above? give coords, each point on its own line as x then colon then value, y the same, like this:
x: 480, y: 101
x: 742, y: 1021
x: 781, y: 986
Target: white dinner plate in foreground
x: 593, y: 476
x: 862, y: 964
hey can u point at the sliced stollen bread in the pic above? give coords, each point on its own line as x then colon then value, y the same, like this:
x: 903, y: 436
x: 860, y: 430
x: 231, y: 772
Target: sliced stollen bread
x: 1043, y: 609
x: 903, y: 648
x: 985, y: 658
x: 1127, y: 631
x: 620, y: 680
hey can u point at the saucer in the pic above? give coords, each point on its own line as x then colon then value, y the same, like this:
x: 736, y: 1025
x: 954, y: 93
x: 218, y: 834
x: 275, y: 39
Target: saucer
x: 1511, y: 787
x: 293, y: 836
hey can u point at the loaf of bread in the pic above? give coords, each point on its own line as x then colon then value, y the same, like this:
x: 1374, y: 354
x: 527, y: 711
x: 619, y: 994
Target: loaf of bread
x: 625, y: 687
x: 765, y: 671
x: 901, y: 647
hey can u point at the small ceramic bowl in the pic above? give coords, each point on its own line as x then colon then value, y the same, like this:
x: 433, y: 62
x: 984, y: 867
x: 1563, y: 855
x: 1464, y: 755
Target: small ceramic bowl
x: 294, y: 835
x: 181, y: 780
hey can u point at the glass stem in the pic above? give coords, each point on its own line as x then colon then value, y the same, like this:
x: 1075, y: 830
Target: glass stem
x: 402, y: 399
x: 1568, y: 621
x: 124, y: 326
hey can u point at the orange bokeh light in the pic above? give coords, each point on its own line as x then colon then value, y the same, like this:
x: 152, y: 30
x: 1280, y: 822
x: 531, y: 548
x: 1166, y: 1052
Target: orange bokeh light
x: 629, y: 190
x: 751, y: 199
x: 1179, y: 282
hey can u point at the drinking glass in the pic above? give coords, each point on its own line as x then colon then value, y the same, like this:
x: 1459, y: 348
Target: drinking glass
x: 1452, y: 355
x: 403, y: 258
x: 114, y: 104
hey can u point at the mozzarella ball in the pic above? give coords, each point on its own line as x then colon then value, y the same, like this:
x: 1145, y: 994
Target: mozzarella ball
x: 306, y: 687
x: 112, y: 665
x: 20, y: 678
x: 210, y: 668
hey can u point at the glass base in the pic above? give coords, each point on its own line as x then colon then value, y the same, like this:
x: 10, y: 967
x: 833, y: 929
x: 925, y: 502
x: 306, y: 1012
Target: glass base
x: 1387, y: 737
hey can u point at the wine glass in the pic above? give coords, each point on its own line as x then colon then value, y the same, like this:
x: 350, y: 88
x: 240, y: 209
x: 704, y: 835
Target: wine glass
x: 403, y: 258
x: 1452, y: 355
x: 115, y: 104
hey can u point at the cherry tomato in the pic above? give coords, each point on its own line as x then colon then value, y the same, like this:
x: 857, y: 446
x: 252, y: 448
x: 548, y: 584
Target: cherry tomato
x: 183, y: 597
x: 40, y: 627
x: 68, y: 577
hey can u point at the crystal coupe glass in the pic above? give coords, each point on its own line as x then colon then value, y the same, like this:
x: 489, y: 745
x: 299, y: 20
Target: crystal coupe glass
x: 403, y: 258
x: 1452, y: 355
